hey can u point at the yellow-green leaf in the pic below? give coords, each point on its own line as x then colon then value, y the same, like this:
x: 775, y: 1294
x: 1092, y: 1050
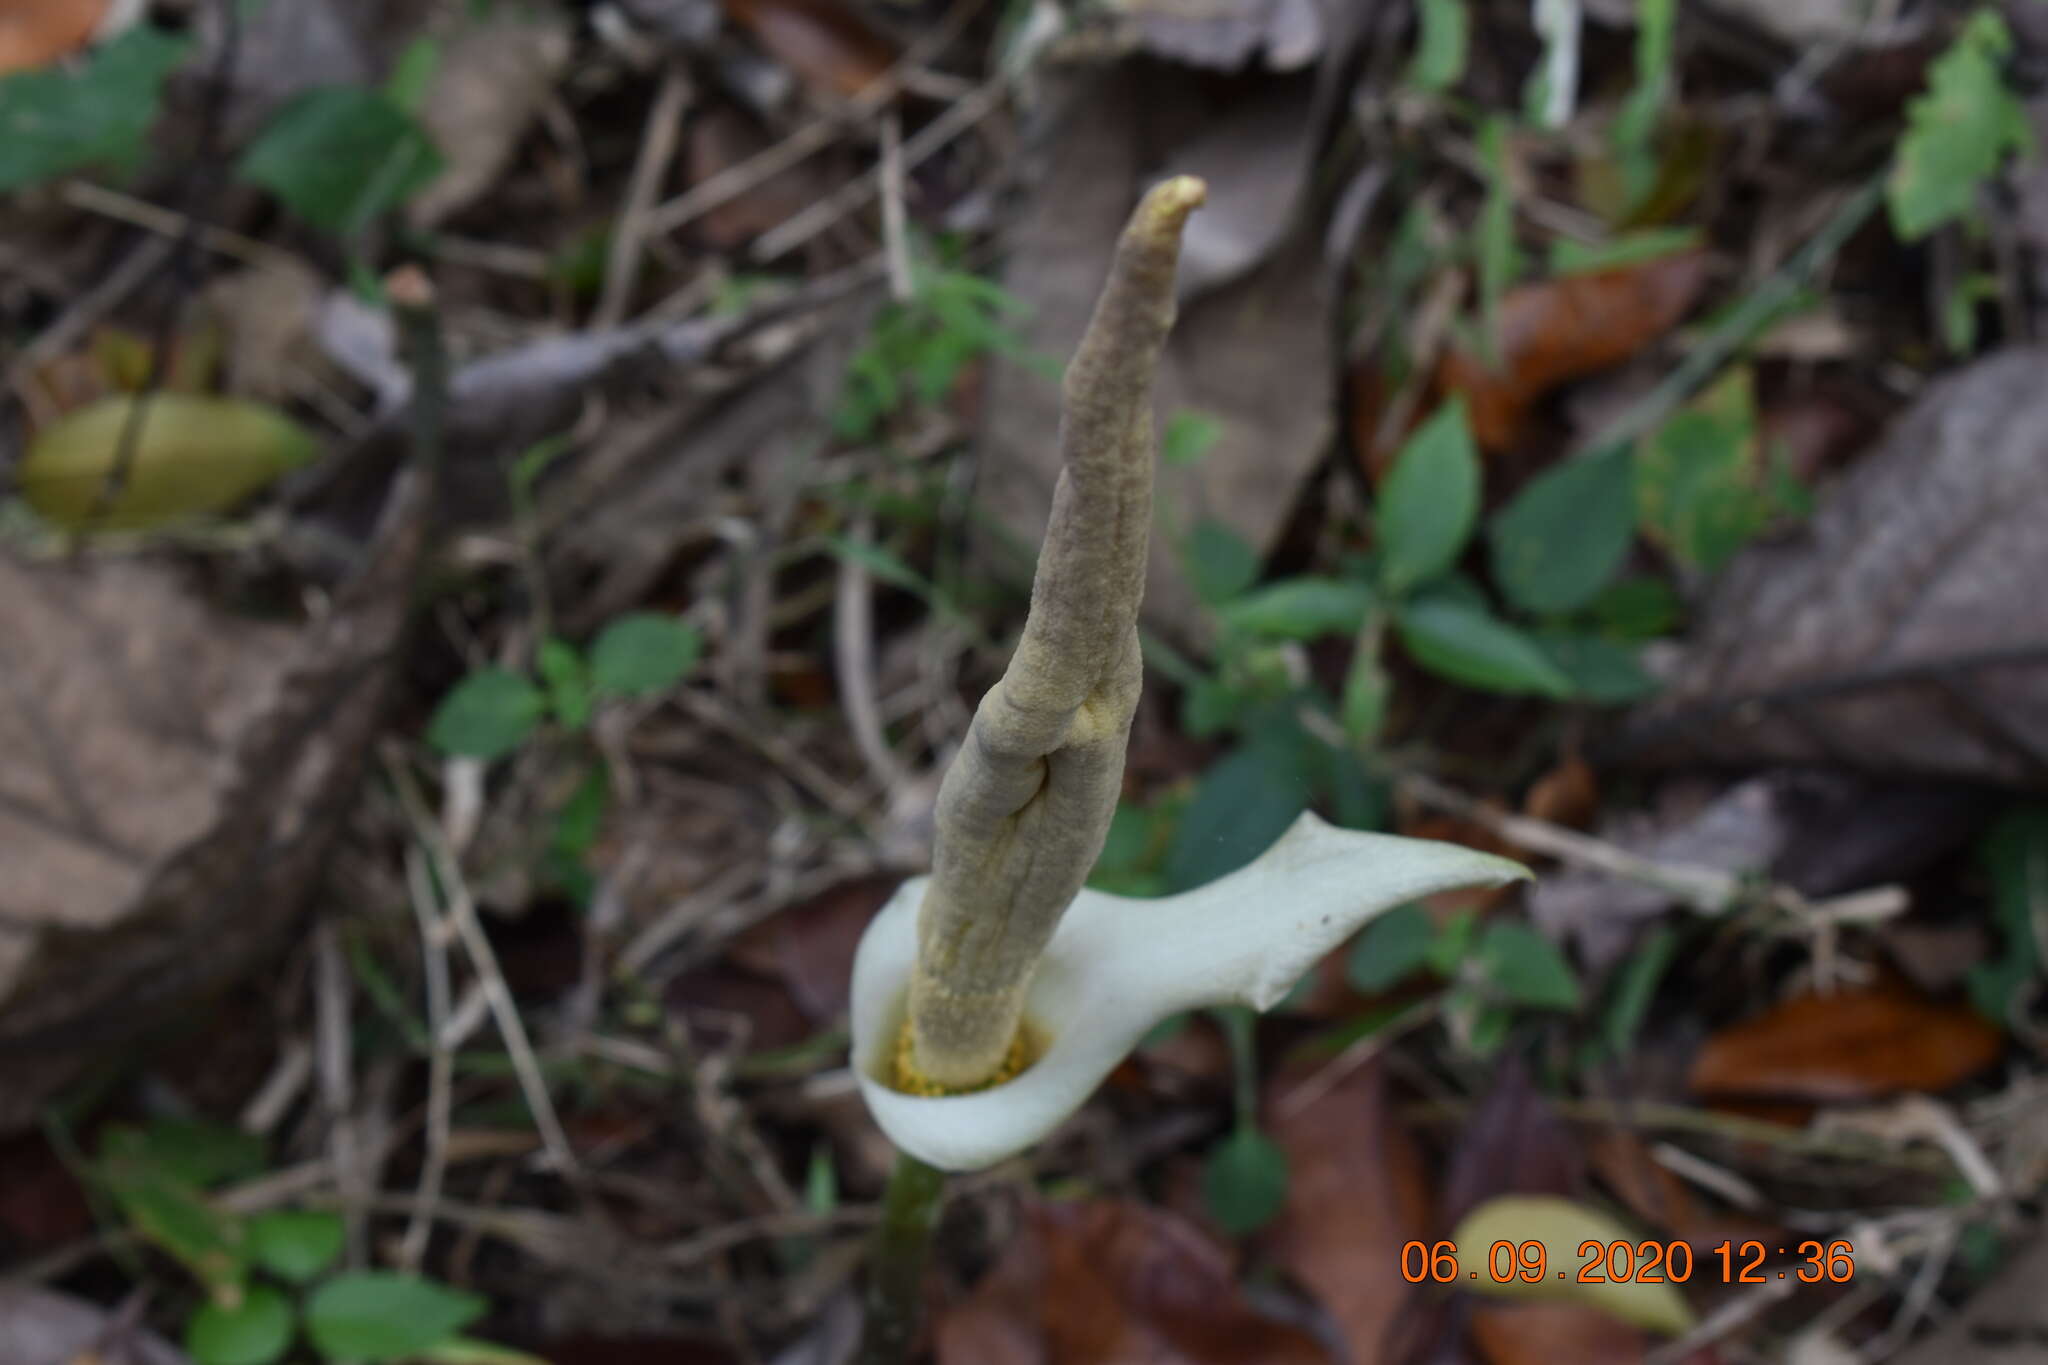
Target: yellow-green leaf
x: 1564, y: 1229
x: 193, y: 456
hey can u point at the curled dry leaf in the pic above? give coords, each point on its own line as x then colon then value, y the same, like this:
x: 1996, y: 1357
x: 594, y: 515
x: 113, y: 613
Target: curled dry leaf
x: 492, y: 81
x: 35, y: 33
x: 1112, y: 1282
x: 1356, y: 1192
x: 823, y: 41
x: 1558, y: 330
x: 1900, y: 631
x: 1847, y: 1046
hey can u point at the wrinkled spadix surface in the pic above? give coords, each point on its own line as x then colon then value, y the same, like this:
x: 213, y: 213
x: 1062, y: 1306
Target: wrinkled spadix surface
x: 1117, y: 966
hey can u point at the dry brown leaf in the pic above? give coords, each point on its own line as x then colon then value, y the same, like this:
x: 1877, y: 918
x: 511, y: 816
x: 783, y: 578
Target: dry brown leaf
x: 810, y: 946
x: 492, y: 82
x: 1569, y: 794
x: 1552, y: 1333
x: 823, y: 41
x: 35, y: 33
x: 1356, y: 1192
x: 1847, y: 1046
x: 1558, y: 330
x: 177, y: 778
x: 1900, y: 630
x: 1112, y: 1282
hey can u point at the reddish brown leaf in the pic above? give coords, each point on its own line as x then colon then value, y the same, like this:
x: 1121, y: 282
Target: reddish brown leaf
x: 1112, y: 1282
x: 1847, y: 1046
x: 1356, y: 1191
x: 1555, y: 331
x: 823, y: 41
x: 35, y: 33
x: 1568, y: 794
x: 809, y: 946
x: 1549, y: 1333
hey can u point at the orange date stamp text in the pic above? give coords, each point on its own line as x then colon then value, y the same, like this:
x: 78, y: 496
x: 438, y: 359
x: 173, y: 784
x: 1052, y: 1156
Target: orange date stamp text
x: 1620, y: 1262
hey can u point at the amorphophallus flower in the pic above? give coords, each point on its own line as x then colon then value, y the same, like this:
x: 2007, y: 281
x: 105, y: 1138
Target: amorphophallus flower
x: 990, y: 998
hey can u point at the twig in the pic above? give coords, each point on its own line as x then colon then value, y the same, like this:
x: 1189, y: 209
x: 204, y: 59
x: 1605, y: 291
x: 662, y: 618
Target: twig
x: 332, y: 1031
x: 86, y: 311
x: 895, y: 233
x: 853, y: 661
x: 433, y: 930
x: 1751, y: 1303
x: 849, y: 198
x: 650, y: 168
x: 126, y: 208
x: 735, y: 180
x: 460, y: 908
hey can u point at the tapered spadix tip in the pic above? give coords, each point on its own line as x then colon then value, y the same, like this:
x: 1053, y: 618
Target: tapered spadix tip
x: 1168, y: 203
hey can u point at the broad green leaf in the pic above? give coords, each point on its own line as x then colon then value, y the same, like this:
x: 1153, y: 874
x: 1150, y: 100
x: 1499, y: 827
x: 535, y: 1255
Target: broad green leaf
x: 178, y: 1218
x: 1300, y: 608
x: 1442, y: 32
x: 378, y: 1316
x: 341, y: 158
x: 1635, y: 984
x: 255, y: 1331
x: 1469, y: 645
x: 1453, y: 941
x: 1527, y: 968
x: 1366, y: 687
x: 1241, y: 806
x: 296, y: 1245
x: 488, y: 715
x: 1561, y: 1227
x: 191, y: 456
x: 1189, y: 435
x: 1957, y: 133
x: 1562, y: 538
x: 1393, y: 947
x: 1429, y: 501
x: 1244, y: 1181
x: 1220, y: 564
x: 412, y: 75
x: 97, y: 113
x: 1637, y: 609
x: 643, y: 653
x: 2015, y: 854
x: 1602, y: 671
x: 1701, y: 485
x: 193, y: 1151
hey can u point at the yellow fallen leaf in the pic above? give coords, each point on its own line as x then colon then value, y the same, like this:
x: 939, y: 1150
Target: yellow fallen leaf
x: 1577, y: 1244
x: 194, y: 456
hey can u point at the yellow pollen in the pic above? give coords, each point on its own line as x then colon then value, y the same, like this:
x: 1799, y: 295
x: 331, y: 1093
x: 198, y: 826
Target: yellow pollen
x: 904, y: 1075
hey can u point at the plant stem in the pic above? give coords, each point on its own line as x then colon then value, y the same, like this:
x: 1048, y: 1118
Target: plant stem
x: 910, y: 1210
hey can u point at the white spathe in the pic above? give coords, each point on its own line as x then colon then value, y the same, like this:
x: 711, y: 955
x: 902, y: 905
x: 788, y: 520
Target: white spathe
x: 1117, y: 966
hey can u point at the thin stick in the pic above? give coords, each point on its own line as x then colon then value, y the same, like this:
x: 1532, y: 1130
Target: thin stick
x: 440, y: 1065
x: 853, y: 661
x: 895, y: 232
x: 910, y: 1211
x: 650, y: 168
x: 126, y: 208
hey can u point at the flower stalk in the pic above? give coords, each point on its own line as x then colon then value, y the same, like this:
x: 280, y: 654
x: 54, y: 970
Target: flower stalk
x: 1025, y: 808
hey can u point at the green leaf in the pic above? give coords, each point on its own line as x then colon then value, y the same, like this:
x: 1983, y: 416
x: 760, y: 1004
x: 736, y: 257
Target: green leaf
x: 1242, y: 805
x: 1189, y: 436
x: 1957, y: 133
x: 643, y: 653
x: 1634, y: 985
x: 1452, y: 942
x: 1442, y: 33
x: 1301, y: 608
x: 1220, y: 564
x: 56, y: 120
x: 568, y: 682
x: 2014, y: 852
x: 1635, y: 126
x: 1469, y: 645
x: 1562, y: 538
x: 179, y: 1219
x: 487, y: 715
x: 191, y: 456
x: 1244, y: 1181
x: 1699, y: 484
x: 341, y: 158
x: 1527, y: 968
x: 378, y: 1316
x: 256, y: 1331
x: 1601, y: 671
x: 195, y: 1152
x: 1493, y: 246
x: 1429, y: 501
x: 1569, y: 257
x: 296, y: 1245
x: 1638, y: 609
x: 1366, y: 687
x: 412, y: 75
x: 1393, y: 947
